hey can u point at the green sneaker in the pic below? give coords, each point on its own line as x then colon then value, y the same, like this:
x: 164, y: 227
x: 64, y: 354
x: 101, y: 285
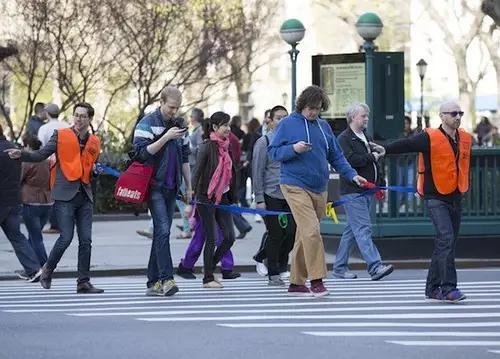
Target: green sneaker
x: 169, y: 287
x: 155, y: 290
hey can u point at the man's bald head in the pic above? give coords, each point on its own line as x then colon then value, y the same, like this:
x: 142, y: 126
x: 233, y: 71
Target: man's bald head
x: 449, y: 106
x: 451, y: 115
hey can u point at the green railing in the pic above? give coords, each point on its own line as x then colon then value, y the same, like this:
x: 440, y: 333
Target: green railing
x: 401, y: 215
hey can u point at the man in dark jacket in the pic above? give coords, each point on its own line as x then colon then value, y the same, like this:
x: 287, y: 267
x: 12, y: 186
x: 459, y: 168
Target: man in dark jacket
x: 363, y: 158
x: 10, y: 211
x: 37, y: 120
x: 160, y: 139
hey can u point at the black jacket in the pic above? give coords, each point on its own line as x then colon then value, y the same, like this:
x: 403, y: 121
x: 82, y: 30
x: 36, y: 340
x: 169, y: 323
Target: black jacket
x: 360, y: 159
x: 206, y: 163
x: 10, y: 177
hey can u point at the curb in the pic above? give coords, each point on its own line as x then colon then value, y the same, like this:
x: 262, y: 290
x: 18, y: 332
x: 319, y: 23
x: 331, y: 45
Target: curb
x: 398, y: 264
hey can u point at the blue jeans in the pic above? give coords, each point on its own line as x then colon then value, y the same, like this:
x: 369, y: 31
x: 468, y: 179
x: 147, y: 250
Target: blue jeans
x: 181, y: 206
x: 241, y: 223
x: 10, y: 221
x: 35, y: 217
x: 77, y: 211
x: 406, y: 177
x: 161, y: 205
x: 359, y: 231
x: 446, y: 218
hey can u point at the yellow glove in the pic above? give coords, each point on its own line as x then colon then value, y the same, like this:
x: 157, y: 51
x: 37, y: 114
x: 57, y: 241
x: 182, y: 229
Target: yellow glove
x: 330, y: 212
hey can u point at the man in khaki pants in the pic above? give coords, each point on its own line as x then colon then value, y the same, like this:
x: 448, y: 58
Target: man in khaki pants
x: 305, y: 145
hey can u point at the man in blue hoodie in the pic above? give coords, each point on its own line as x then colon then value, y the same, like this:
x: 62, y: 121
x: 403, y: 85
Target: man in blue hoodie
x: 305, y: 145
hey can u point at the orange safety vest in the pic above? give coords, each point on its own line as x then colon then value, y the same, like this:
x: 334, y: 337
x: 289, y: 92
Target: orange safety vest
x: 75, y: 164
x: 448, y: 172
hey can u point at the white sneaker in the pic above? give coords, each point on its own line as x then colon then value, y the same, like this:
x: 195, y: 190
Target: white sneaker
x: 258, y: 218
x: 285, y: 275
x: 261, y: 269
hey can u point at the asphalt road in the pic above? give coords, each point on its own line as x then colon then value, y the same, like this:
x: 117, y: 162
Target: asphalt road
x: 248, y: 319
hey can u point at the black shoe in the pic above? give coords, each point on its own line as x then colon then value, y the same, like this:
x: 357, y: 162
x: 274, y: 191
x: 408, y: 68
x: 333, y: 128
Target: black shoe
x: 88, y: 288
x: 229, y: 274
x: 244, y: 233
x: 184, y: 272
x: 46, y: 277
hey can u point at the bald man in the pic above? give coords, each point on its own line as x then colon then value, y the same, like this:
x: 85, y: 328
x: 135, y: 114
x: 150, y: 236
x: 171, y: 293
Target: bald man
x: 443, y: 178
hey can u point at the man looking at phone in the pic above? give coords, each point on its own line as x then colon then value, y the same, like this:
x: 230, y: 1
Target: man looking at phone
x: 305, y: 145
x: 160, y: 140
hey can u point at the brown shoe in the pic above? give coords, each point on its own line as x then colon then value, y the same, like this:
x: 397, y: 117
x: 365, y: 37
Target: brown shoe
x: 46, y: 277
x: 87, y: 288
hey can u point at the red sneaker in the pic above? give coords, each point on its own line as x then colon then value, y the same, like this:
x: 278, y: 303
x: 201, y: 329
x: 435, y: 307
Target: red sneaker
x: 318, y: 289
x: 299, y: 291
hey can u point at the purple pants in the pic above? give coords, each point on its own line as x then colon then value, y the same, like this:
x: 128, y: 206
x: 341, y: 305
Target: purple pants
x: 196, y: 245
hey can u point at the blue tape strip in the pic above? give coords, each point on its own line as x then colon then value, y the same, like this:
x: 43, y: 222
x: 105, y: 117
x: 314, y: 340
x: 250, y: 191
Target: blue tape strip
x: 401, y: 189
x: 236, y: 209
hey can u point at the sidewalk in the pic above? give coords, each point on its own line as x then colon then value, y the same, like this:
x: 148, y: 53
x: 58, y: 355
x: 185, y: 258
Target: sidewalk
x: 118, y: 250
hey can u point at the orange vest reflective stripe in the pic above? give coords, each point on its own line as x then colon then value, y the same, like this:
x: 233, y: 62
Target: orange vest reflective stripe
x: 75, y: 164
x: 448, y: 172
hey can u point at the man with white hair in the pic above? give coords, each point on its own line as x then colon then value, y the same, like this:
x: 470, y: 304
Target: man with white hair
x: 443, y: 178
x: 363, y: 157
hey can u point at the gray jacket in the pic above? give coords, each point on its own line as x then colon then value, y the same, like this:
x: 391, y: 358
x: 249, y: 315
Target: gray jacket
x: 63, y: 189
x: 265, y: 172
x: 195, y: 140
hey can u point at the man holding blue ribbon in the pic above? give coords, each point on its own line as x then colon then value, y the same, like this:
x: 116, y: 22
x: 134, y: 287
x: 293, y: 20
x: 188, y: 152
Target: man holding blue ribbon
x: 443, y: 178
x: 305, y: 145
x: 363, y: 156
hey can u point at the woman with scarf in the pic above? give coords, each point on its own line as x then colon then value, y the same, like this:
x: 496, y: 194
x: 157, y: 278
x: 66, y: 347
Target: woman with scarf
x: 215, y: 183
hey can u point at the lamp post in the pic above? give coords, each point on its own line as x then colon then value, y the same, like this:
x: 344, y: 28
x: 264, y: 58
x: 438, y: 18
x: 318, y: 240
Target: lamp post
x: 369, y: 27
x: 292, y: 31
x: 421, y: 67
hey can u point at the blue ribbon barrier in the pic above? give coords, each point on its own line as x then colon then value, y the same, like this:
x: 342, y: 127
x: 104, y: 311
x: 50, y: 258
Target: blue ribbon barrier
x: 401, y: 189
x: 263, y: 212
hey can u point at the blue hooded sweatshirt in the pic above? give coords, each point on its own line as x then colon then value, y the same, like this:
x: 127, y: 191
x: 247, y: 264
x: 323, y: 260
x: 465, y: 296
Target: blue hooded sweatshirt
x: 308, y: 170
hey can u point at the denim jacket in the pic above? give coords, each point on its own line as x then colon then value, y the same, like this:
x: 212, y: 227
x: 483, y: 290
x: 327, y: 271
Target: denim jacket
x: 149, y: 129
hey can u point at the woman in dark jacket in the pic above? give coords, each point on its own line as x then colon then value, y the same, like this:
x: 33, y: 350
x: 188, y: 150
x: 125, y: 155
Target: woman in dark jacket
x: 215, y: 183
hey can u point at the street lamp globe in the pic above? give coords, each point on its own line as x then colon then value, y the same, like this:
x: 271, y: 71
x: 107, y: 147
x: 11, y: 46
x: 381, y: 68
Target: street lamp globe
x: 292, y: 31
x: 422, y: 67
x: 369, y: 26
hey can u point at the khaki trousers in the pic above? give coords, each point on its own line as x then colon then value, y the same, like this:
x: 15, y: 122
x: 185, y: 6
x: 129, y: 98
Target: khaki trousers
x: 308, y: 254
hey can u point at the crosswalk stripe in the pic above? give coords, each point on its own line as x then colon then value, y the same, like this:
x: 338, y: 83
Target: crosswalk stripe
x: 362, y: 324
x: 335, y: 316
x: 494, y: 351
x: 207, y: 294
x: 89, y: 300
x: 172, y: 311
x: 238, y: 289
x: 160, y: 300
x: 444, y: 342
x: 402, y: 334
x: 262, y: 283
x: 249, y: 305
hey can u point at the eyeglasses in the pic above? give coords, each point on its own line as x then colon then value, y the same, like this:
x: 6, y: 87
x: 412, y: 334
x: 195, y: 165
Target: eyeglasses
x: 454, y: 113
x: 79, y: 115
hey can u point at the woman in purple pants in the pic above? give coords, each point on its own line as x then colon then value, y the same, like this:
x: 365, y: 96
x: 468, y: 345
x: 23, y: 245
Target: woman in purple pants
x: 186, y: 265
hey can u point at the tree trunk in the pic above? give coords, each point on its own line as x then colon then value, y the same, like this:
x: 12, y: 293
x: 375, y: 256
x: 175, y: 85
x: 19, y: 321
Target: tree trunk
x: 242, y: 80
x: 467, y: 91
x: 496, y: 64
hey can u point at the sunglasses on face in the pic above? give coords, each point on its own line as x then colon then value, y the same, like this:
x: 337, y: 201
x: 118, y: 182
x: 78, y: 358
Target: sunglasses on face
x: 454, y: 113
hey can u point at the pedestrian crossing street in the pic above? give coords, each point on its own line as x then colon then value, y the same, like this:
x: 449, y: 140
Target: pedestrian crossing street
x: 392, y: 310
